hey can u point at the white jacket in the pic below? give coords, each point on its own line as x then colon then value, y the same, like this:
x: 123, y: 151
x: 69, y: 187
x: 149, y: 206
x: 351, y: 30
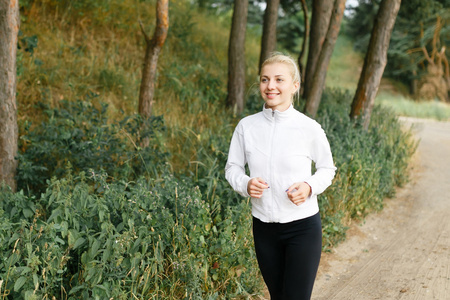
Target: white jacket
x: 279, y: 147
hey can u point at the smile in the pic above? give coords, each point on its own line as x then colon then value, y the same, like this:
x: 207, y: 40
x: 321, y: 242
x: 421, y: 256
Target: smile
x: 272, y: 94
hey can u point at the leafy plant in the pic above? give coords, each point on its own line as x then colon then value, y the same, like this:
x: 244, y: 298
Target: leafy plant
x: 370, y: 164
x: 79, y: 133
x: 89, y: 237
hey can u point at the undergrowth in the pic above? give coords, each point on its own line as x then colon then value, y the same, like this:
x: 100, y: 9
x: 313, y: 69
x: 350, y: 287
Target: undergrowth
x: 89, y: 238
x: 79, y: 133
x: 370, y: 164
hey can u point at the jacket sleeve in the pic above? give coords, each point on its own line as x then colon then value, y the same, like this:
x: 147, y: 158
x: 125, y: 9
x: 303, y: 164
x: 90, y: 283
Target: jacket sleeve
x: 323, y: 159
x: 235, y: 167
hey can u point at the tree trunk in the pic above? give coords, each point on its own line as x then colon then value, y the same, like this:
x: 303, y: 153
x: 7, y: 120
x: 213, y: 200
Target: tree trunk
x: 9, y: 29
x: 236, y: 57
x: 152, y: 51
x: 269, y: 34
x: 318, y: 80
x: 320, y: 20
x: 305, y: 41
x: 375, y: 61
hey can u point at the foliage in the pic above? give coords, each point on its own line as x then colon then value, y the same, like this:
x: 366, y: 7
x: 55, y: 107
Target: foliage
x: 290, y: 24
x: 291, y: 31
x: 370, y: 164
x: 360, y: 23
x: 254, y: 14
x: 345, y: 65
x: 406, y: 57
x: 100, y: 217
x: 184, y: 236
x: 414, y: 28
x: 80, y: 134
x: 88, y: 238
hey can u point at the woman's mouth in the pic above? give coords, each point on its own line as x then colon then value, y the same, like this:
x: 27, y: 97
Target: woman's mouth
x: 272, y: 95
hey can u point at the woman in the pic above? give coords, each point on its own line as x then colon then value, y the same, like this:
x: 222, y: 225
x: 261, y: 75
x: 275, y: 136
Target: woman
x: 279, y: 145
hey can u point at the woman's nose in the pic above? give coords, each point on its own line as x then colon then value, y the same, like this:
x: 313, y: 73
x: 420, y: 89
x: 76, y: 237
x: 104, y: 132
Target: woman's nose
x: 271, y: 85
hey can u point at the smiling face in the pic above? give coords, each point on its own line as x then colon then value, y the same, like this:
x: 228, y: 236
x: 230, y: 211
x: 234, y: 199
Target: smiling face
x: 277, y: 86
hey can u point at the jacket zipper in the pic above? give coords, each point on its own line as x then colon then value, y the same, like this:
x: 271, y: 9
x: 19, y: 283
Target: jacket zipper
x: 271, y: 167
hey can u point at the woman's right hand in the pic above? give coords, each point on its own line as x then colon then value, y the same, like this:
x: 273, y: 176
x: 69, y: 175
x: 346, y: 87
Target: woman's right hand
x: 256, y: 187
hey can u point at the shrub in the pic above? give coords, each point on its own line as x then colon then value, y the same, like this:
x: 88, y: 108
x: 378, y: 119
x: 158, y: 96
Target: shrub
x: 79, y: 133
x: 92, y: 238
x: 370, y: 164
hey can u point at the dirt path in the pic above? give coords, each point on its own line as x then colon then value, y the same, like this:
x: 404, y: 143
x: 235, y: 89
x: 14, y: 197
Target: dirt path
x: 402, y: 252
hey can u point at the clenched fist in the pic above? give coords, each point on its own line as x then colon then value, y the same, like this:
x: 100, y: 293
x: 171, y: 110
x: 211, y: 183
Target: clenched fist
x: 299, y: 192
x: 256, y: 187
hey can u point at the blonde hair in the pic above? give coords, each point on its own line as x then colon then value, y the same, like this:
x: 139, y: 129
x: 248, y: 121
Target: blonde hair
x: 278, y: 57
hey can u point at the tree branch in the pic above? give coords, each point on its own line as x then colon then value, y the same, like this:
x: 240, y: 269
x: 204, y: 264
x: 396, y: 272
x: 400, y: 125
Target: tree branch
x: 147, y: 38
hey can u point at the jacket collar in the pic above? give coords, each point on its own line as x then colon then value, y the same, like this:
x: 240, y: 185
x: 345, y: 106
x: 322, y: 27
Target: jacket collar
x: 276, y: 115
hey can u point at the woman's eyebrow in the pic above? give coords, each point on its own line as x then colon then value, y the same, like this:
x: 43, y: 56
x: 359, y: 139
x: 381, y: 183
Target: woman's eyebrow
x: 281, y: 75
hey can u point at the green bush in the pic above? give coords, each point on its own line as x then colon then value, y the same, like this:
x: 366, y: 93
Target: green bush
x: 88, y: 238
x: 80, y: 134
x: 370, y: 164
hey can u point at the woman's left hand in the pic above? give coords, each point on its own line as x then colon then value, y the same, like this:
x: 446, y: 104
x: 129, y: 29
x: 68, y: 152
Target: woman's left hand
x: 298, y: 192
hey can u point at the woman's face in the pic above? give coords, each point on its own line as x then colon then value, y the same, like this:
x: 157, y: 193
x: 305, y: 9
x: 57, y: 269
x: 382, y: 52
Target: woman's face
x: 276, y: 86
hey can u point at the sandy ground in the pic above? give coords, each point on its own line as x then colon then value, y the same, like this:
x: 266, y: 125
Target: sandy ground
x: 402, y: 252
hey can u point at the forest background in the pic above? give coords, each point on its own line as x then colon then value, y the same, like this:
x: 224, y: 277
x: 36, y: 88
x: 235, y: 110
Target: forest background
x: 96, y: 215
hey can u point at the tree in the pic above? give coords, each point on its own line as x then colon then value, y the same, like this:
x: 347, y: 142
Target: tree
x: 269, y: 34
x: 9, y: 29
x: 375, y: 61
x: 320, y: 19
x: 305, y: 41
x: 154, y: 46
x: 314, y: 94
x: 236, y: 57
x: 152, y: 51
x: 415, y: 28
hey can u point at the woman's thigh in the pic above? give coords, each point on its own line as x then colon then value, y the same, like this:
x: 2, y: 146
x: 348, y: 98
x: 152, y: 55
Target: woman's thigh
x: 270, y: 255
x: 303, y: 249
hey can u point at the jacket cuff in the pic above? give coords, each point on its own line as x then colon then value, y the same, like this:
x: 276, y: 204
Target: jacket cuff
x: 243, y: 189
x: 312, y: 184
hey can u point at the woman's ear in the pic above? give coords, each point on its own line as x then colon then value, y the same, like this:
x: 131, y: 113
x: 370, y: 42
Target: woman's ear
x: 296, y: 87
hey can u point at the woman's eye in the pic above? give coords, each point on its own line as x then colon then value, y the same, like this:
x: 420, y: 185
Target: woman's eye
x: 264, y: 80
x: 279, y: 80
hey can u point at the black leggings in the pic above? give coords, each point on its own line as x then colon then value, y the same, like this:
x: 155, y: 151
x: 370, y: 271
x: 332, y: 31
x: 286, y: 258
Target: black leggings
x: 288, y: 256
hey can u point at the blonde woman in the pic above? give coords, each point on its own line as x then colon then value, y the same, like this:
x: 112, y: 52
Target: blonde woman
x: 279, y: 145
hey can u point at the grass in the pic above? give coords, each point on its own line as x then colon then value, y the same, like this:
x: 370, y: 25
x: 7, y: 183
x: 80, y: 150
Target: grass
x: 345, y: 65
x: 404, y: 106
x: 96, y: 54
